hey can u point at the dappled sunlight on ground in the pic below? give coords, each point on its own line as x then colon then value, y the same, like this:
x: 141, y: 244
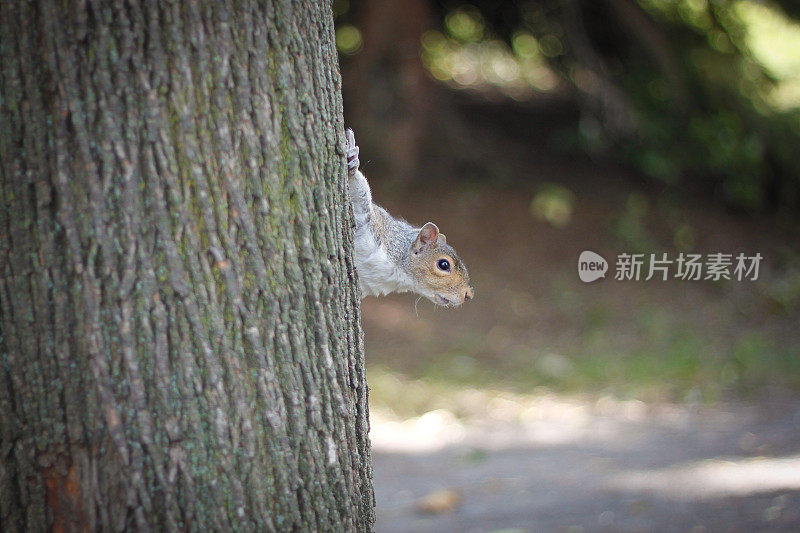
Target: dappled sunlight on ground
x: 429, y: 432
x: 547, y: 462
x: 503, y: 420
x: 716, y: 477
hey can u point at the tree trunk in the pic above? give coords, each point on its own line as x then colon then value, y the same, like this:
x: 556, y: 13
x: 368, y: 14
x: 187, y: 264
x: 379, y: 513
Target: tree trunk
x: 179, y: 320
x: 389, y: 95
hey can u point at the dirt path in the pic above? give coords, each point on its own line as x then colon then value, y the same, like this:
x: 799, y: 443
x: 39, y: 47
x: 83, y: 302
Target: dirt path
x: 549, y: 464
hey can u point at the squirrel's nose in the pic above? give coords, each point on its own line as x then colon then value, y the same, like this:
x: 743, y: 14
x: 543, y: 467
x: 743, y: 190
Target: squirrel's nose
x: 469, y: 294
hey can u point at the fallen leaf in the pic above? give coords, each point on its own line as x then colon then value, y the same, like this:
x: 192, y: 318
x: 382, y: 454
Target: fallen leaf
x: 439, y: 501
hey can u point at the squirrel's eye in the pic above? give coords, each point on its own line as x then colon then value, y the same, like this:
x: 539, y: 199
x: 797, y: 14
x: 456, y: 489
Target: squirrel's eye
x: 443, y: 264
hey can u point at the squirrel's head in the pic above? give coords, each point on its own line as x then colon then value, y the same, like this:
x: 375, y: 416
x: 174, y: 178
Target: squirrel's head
x: 439, y: 274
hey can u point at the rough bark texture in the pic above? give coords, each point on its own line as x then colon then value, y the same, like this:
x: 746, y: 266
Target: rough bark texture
x: 179, y: 324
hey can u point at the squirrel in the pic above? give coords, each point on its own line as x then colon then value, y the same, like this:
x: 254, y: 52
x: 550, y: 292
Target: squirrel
x: 394, y: 256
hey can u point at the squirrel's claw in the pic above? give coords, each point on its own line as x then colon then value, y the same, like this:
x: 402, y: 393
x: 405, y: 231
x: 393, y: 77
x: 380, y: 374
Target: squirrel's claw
x: 351, y: 150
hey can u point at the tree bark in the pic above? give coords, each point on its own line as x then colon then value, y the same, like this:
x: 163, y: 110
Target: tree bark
x: 180, y: 346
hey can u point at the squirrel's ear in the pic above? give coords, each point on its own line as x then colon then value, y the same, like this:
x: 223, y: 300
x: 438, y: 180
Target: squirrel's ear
x: 428, y: 236
x: 442, y: 239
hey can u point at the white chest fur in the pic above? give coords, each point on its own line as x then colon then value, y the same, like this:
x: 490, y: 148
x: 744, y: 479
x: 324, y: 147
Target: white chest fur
x: 378, y: 274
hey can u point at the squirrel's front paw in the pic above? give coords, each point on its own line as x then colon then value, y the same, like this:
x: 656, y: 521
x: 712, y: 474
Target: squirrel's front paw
x: 351, y: 150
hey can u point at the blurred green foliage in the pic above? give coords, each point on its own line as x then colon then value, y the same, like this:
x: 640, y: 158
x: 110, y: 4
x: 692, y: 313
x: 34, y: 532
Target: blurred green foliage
x: 698, y: 95
x: 737, y: 129
x: 553, y: 204
x: 671, y: 359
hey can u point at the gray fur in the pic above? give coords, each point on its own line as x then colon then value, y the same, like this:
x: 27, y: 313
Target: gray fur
x: 389, y: 256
